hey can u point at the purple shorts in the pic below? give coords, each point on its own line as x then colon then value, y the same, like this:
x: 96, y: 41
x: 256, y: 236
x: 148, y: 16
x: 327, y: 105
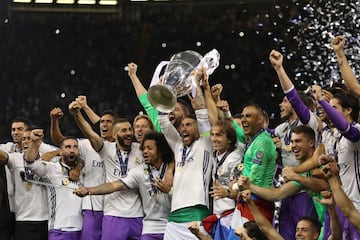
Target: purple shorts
x: 120, y: 228
x: 291, y: 210
x: 155, y: 236
x: 349, y: 231
x: 92, y: 224
x: 55, y: 234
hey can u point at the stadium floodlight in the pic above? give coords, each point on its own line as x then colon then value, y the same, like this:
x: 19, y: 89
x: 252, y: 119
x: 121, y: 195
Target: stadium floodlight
x: 22, y: 1
x: 43, y: 1
x: 65, y: 1
x: 108, y: 2
x: 88, y: 2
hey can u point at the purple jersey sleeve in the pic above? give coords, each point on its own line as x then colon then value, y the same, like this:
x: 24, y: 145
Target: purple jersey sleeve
x: 300, y: 108
x: 271, y: 131
x: 347, y: 130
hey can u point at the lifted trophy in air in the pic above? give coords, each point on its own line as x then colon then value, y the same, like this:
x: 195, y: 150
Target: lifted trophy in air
x: 177, y: 81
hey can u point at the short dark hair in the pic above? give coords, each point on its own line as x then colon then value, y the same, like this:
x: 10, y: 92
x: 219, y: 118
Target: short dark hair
x: 256, y: 106
x: 25, y: 120
x: 120, y: 120
x: 347, y: 100
x: 66, y: 138
x: 162, y: 145
x: 306, y: 130
x: 109, y: 112
x: 253, y: 231
x: 316, y: 224
x: 192, y: 116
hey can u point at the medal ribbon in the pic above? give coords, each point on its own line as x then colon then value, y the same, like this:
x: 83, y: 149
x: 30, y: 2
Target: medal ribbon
x: 185, y: 154
x: 220, y: 163
x: 151, y: 176
x: 335, y: 150
x: 123, y: 164
x: 290, y: 129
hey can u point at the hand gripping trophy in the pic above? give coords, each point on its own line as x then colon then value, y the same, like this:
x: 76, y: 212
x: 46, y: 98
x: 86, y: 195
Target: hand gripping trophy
x: 177, y: 81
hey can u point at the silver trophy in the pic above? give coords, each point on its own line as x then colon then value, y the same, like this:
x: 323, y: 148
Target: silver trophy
x: 177, y: 81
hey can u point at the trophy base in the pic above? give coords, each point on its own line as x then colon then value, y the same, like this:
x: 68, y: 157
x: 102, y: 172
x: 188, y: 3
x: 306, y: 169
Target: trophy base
x: 162, y: 98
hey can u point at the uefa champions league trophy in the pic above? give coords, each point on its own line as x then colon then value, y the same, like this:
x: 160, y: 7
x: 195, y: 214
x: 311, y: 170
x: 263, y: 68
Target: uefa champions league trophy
x: 177, y: 81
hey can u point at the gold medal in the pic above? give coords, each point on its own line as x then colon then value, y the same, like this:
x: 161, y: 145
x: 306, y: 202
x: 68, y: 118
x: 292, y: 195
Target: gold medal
x: 221, y: 170
x: 65, y: 181
x: 240, y: 167
x: 28, y: 186
x: 138, y: 161
x: 288, y: 148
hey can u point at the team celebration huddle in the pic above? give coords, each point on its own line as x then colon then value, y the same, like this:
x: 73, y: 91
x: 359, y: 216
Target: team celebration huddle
x: 189, y: 168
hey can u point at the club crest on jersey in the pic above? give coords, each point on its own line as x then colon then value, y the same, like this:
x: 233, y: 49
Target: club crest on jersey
x: 138, y: 161
x: 65, y: 181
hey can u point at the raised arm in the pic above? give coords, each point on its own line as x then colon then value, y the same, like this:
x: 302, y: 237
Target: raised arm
x: 303, y: 112
x: 32, y: 152
x: 346, y: 206
x: 209, y: 100
x: 224, y: 109
x: 276, y: 59
x: 141, y: 93
x: 94, y: 118
x: 95, y: 140
x: 335, y: 225
x: 347, y: 73
x: 264, y: 224
x: 216, y: 92
x: 139, y: 88
x: 348, y: 130
x: 55, y: 132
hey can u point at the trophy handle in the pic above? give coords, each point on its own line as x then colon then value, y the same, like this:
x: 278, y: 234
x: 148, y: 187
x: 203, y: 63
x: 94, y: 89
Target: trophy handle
x: 156, y: 76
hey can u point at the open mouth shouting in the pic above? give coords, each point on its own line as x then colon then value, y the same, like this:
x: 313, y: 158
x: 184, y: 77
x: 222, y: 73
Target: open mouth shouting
x: 72, y: 157
x: 104, y: 131
x: 146, y: 158
x: 245, y: 127
x: 25, y: 147
x: 297, y: 153
x: 171, y: 117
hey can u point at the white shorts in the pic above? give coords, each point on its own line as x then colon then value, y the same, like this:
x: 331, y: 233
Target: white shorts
x: 180, y: 231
